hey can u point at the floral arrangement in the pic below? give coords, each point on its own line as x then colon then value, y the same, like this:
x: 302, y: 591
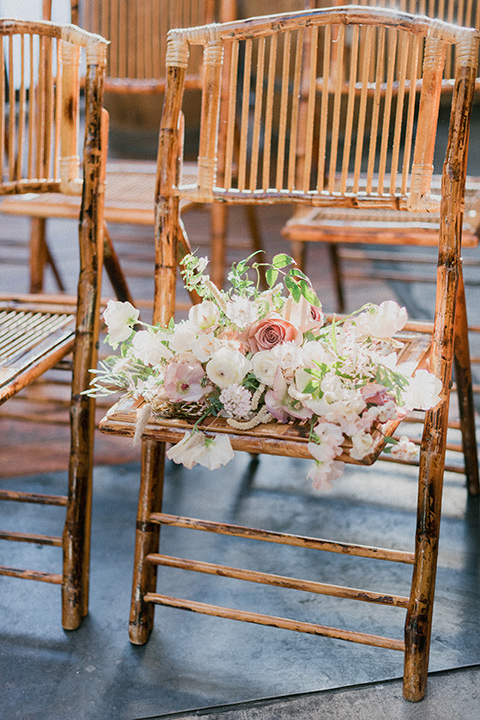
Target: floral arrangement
x: 256, y: 357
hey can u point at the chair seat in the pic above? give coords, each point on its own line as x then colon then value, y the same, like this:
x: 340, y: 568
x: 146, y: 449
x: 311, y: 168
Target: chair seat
x: 274, y: 438
x: 129, y: 195
x: 382, y: 226
x: 33, y: 338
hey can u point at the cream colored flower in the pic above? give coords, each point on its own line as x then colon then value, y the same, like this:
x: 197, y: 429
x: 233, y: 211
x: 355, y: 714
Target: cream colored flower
x: 264, y: 365
x: 227, y: 367
x: 204, y: 316
x: 119, y: 318
x: 423, y: 391
x: 149, y: 348
x: 382, y: 321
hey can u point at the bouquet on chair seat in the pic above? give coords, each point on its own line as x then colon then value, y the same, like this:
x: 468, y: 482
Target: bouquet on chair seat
x: 256, y: 357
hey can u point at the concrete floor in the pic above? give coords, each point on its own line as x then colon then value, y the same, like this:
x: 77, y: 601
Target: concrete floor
x: 205, y: 667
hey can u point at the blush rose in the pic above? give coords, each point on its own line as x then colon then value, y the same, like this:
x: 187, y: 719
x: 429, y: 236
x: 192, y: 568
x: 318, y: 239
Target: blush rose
x: 272, y: 330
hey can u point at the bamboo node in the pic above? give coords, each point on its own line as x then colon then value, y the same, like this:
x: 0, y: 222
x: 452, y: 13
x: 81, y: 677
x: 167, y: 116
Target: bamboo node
x: 177, y: 52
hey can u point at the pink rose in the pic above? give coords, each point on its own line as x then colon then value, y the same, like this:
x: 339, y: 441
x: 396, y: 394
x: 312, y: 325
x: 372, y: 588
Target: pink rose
x: 270, y: 331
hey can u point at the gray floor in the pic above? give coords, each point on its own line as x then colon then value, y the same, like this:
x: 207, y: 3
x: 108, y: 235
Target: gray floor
x: 204, y: 667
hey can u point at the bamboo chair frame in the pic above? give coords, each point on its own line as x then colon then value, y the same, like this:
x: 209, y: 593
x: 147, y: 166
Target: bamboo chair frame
x: 39, y: 130
x: 137, y: 31
x: 337, y: 227
x: 270, y: 178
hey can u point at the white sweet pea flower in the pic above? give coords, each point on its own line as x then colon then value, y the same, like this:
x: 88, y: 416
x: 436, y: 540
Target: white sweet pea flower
x: 303, y: 314
x: 204, y: 316
x: 227, y: 367
x: 188, y: 451
x: 217, y: 452
x: 149, y: 348
x: 119, y: 318
x: 264, y: 365
x: 196, y: 448
x: 423, y: 391
x: 323, y: 473
x: 362, y: 445
x: 316, y: 352
x: 382, y: 321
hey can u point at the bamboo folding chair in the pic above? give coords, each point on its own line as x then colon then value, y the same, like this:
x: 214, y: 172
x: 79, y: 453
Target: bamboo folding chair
x: 268, y: 175
x: 341, y: 226
x: 41, y: 151
x: 137, y: 31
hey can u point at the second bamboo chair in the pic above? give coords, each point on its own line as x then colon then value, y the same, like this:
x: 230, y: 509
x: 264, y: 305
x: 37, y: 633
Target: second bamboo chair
x: 269, y: 175
x: 42, y: 151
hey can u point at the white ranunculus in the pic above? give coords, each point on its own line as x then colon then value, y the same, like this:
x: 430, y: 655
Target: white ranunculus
x: 264, y: 365
x: 119, y: 318
x: 227, y: 367
x: 423, y: 391
x: 204, y: 346
x: 204, y: 316
x: 149, y: 348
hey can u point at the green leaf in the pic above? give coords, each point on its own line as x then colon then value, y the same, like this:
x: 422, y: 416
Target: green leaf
x: 271, y: 276
x: 281, y: 260
x: 293, y: 288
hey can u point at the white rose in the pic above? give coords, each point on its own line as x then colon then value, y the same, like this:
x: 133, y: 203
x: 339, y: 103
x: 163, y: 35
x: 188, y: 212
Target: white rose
x: 227, y: 367
x: 264, y: 365
x: 149, y: 348
x: 119, y: 318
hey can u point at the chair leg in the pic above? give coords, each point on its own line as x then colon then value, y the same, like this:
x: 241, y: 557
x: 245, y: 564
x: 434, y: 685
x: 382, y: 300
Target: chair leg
x: 146, y: 541
x: 38, y: 254
x: 337, y: 275
x: 418, y: 623
x: 77, y: 530
x: 463, y: 377
x: 114, y: 269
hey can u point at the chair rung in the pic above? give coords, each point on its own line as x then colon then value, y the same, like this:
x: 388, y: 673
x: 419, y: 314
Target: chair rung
x: 31, y: 538
x: 283, y: 538
x: 53, y: 578
x: 273, y: 621
x: 33, y: 497
x: 278, y: 580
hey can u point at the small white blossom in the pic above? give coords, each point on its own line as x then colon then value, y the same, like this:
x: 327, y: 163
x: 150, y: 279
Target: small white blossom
x: 195, y: 448
x: 182, y: 339
x: 241, y: 311
x: 322, y: 474
x: 405, y: 449
x: 237, y: 401
x: 382, y: 321
x: 362, y: 444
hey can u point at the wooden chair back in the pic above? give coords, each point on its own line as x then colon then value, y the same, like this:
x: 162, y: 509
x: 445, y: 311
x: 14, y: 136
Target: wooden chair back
x: 40, y: 91
x: 375, y: 144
